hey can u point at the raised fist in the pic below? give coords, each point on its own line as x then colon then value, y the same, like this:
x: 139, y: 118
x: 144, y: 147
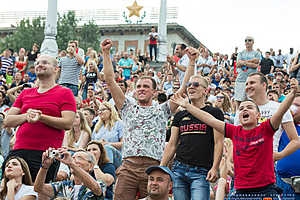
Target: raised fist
x: 106, y: 45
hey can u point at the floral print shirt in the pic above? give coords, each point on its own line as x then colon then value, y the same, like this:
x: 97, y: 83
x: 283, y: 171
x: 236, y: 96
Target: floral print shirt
x: 76, y: 192
x: 145, y: 129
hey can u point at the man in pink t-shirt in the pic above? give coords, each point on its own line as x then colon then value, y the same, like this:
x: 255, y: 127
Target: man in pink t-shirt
x: 252, y: 144
x: 42, y: 114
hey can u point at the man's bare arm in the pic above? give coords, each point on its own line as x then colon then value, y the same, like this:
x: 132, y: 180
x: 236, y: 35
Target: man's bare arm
x: 116, y: 92
x: 13, y: 118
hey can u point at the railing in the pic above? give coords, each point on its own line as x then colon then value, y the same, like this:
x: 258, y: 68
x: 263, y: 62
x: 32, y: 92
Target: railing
x: 100, y: 16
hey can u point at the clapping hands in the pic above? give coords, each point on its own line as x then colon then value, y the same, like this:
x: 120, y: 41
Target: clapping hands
x: 33, y: 115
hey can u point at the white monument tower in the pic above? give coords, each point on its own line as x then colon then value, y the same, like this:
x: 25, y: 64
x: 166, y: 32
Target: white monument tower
x: 162, y: 31
x: 49, y: 45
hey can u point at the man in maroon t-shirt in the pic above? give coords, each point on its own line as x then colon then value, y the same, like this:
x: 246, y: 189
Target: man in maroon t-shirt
x: 42, y: 114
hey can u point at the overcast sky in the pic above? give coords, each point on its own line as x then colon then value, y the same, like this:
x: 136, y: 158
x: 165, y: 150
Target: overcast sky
x: 219, y: 24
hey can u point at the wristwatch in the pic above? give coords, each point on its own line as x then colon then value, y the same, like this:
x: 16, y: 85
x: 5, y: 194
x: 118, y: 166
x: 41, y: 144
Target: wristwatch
x: 96, y: 167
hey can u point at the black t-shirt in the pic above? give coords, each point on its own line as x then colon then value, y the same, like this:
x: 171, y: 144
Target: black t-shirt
x: 266, y: 65
x: 91, y: 77
x: 32, y: 57
x: 196, y: 139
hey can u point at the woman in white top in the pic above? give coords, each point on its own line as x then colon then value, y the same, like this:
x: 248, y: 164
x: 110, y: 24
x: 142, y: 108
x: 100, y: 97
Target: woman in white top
x: 79, y: 135
x: 17, y: 183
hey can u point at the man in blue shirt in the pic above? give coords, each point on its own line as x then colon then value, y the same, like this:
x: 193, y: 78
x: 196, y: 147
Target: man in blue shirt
x: 289, y: 166
x: 126, y: 64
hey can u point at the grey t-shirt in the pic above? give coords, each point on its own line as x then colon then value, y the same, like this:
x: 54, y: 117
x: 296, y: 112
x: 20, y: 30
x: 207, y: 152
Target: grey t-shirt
x: 70, y: 70
x: 245, y: 71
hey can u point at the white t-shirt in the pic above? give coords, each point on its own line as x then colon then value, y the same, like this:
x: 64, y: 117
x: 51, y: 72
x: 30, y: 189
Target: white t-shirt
x: 266, y: 112
x: 208, y: 61
x: 184, y: 61
x: 25, y: 190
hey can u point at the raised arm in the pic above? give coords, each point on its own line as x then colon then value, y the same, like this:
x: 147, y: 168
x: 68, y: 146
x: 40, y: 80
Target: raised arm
x: 294, y: 66
x: 39, y: 184
x: 116, y: 92
x: 84, y: 176
x: 193, y: 55
x: 285, y: 105
x: 200, y: 114
x: 79, y: 60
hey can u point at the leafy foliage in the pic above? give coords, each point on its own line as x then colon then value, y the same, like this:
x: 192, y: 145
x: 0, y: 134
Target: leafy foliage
x: 89, y: 36
x: 29, y: 32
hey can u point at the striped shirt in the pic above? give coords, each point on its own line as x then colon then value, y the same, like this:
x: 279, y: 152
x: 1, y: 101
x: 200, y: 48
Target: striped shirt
x: 70, y: 70
x: 6, y: 62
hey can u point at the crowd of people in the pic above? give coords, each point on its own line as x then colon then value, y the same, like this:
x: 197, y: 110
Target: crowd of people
x: 91, y: 125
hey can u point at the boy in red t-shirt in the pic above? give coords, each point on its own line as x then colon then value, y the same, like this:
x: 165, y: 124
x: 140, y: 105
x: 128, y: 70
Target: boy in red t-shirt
x: 252, y: 143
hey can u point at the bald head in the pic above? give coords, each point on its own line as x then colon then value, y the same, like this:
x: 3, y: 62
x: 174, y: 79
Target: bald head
x: 50, y: 59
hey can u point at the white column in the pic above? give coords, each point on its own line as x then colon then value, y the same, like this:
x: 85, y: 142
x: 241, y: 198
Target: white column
x: 49, y: 45
x: 162, y: 31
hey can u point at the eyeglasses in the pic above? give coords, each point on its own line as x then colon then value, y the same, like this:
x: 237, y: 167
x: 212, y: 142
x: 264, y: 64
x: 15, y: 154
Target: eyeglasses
x: 248, y: 40
x: 194, y: 84
x: 220, y: 97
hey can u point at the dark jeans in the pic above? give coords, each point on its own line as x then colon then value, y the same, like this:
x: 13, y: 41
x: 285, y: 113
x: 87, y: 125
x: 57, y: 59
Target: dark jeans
x: 269, y: 191
x: 33, y: 159
x: 74, y: 88
x: 153, y: 46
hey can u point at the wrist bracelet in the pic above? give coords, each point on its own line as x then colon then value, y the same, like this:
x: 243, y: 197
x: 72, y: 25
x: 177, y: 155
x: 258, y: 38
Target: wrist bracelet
x: 96, y: 167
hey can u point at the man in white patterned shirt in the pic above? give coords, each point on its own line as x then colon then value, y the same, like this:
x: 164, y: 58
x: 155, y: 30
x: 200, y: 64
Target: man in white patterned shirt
x: 144, y: 134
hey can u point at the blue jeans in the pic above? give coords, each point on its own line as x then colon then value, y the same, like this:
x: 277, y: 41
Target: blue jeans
x: 190, y: 182
x: 5, y: 139
x: 72, y: 87
x: 288, y: 191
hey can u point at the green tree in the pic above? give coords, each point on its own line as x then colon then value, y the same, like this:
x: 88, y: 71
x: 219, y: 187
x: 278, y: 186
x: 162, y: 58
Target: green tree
x: 25, y: 35
x: 89, y: 35
x: 28, y: 32
x: 66, y: 29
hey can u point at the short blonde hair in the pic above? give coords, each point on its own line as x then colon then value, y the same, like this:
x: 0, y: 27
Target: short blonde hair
x: 202, y: 78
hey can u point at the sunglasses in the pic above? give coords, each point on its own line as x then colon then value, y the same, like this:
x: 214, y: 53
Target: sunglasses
x: 248, y: 40
x: 220, y: 97
x: 194, y: 84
